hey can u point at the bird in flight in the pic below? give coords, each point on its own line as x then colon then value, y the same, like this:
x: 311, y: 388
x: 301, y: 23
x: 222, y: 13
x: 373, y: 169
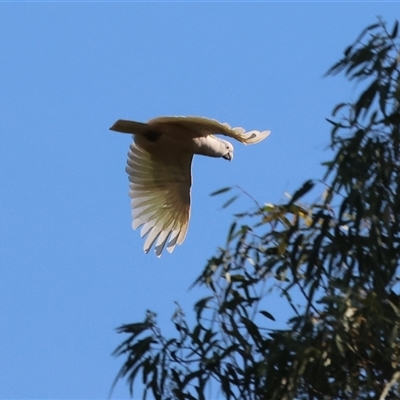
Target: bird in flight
x: 159, y: 170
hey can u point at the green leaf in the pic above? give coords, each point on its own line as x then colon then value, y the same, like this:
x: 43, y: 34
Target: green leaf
x: 395, y: 30
x: 348, y: 50
x: 230, y: 201
x: 366, y: 98
x: 307, y: 186
x: 231, y: 232
x: 252, y: 328
x: 372, y: 27
x: 220, y: 191
x: 237, y: 278
x: 336, y: 109
x: 267, y: 315
x: 133, y: 328
x: 201, y: 304
x: 334, y: 123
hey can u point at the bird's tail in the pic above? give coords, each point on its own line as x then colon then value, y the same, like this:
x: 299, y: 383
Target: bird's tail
x: 125, y: 126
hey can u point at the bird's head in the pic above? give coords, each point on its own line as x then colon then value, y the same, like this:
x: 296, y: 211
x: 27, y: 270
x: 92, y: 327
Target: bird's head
x: 227, y: 150
x: 214, y: 147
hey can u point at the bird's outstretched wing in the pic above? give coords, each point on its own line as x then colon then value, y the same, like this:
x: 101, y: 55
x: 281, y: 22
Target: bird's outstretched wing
x: 160, y: 191
x: 212, y: 126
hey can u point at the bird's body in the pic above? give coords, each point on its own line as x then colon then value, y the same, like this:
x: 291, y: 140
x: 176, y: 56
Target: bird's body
x: 159, y: 169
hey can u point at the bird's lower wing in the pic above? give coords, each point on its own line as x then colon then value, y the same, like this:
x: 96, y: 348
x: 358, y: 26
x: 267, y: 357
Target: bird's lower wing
x: 212, y: 126
x: 160, y: 191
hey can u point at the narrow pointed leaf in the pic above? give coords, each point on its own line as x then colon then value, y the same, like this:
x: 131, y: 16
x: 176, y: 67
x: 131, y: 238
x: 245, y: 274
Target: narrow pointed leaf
x: 220, y: 191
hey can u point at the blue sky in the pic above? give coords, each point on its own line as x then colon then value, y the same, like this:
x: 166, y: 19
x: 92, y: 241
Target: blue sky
x: 72, y: 269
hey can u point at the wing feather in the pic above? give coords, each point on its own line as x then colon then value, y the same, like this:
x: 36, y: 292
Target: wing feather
x: 160, y: 182
x: 212, y: 126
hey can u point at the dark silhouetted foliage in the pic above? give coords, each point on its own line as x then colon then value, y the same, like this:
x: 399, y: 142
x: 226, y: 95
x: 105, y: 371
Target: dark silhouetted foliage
x: 335, y: 261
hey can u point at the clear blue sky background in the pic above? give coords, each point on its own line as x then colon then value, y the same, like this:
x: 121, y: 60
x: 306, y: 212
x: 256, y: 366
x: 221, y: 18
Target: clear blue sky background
x: 72, y: 269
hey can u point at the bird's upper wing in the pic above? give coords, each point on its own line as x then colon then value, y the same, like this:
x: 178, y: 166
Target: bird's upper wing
x: 212, y: 126
x: 160, y: 191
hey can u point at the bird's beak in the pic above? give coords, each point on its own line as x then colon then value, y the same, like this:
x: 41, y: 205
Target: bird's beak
x: 228, y: 156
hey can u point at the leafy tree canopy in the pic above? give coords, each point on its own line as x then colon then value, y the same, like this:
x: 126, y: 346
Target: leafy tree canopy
x: 339, y: 255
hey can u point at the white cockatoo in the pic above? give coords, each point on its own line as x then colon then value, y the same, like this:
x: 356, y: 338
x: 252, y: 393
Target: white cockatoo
x: 159, y: 169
